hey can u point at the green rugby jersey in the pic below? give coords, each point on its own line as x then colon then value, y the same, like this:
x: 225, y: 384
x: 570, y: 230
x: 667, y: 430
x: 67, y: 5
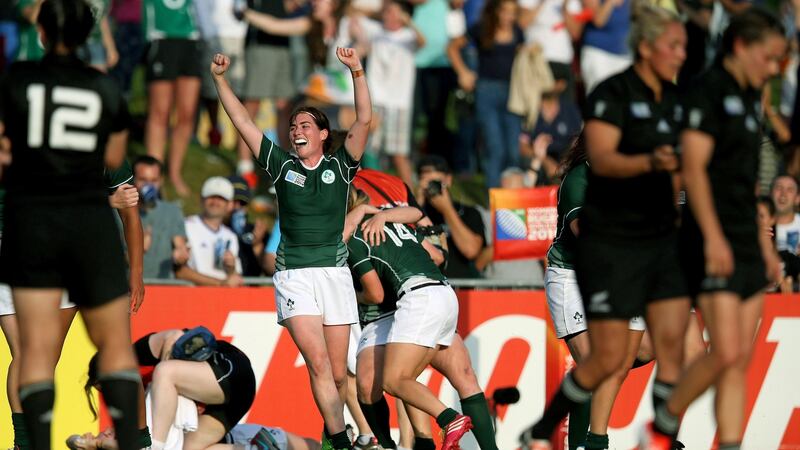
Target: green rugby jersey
x: 116, y: 178
x: 313, y: 205
x: 570, y: 201
x: 395, y: 261
x: 30, y: 49
x: 162, y: 19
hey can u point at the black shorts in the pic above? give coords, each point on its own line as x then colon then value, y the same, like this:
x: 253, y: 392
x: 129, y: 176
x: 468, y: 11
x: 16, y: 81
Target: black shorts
x: 618, y: 278
x: 168, y: 59
x: 75, y: 247
x: 238, y: 382
x: 749, y: 271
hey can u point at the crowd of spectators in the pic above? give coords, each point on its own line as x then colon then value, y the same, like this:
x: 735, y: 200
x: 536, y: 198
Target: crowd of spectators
x: 487, y: 91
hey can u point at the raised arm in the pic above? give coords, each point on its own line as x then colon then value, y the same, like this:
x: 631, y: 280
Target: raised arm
x: 356, y: 140
x: 298, y: 26
x: 247, y: 129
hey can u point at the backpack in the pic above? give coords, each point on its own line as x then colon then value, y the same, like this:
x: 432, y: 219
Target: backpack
x: 196, y: 344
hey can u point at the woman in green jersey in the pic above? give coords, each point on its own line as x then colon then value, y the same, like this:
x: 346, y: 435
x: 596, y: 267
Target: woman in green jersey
x: 313, y: 289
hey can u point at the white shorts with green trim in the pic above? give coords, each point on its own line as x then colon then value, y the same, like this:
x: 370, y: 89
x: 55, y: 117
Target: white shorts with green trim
x: 316, y: 291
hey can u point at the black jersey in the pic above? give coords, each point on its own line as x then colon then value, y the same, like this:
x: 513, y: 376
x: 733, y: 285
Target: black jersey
x: 731, y: 115
x: 641, y: 206
x: 58, y: 114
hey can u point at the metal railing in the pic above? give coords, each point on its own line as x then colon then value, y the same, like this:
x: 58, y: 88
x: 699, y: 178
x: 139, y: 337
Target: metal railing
x: 461, y: 283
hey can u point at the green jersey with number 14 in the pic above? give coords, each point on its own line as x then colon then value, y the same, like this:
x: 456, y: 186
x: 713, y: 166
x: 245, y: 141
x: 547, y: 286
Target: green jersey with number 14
x: 313, y: 205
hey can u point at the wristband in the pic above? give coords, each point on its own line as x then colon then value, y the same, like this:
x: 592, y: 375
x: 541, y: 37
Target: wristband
x: 357, y: 73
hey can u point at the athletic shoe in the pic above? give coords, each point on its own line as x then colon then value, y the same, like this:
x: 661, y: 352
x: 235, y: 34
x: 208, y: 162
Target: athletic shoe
x: 263, y: 440
x: 365, y: 442
x: 653, y: 440
x: 678, y: 445
x: 454, y: 431
x: 528, y: 442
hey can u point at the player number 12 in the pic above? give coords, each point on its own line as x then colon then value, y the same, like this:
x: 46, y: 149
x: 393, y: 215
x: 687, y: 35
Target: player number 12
x: 73, y: 108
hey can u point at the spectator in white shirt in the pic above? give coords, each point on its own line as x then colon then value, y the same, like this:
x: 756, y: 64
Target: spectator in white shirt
x: 787, y: 221
x: 214, y: 246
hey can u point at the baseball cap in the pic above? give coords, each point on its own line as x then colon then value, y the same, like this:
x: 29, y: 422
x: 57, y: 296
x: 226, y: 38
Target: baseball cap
x: 217, y: 187
x: 241, y: 191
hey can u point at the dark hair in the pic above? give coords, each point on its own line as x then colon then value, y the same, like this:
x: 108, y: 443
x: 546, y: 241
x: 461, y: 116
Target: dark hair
x: 404, y: 5
x: 148, y: 160
x: 767, y: 201
x: 315, y: 39
x: 575, y: 156
x: 489, y: 22
x: 320, y: 119
x: 434, y: 162
x: 92, y: 382
x: 750, y: 26
x: 68, y: 22
x: 786, y: 175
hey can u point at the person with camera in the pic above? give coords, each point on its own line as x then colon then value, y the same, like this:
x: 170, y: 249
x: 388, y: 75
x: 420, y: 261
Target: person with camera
x: 463, y: 224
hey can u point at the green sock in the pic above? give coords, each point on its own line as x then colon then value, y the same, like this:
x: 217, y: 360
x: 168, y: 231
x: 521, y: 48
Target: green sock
x: 579, y: 424
x: 447, y: 416
x: 596, y: 441
x: 144, y: 438
x: 20, y: 432
x: 477, y: 409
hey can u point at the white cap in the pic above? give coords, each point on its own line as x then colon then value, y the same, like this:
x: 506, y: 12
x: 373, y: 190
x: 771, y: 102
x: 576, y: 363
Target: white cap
x: 217, y: 187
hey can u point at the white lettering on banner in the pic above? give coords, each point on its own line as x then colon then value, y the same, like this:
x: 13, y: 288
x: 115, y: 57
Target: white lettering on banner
x: 779, y: 394
x: 484, y: 344
x: 542, y: 223
x: 256, y: 334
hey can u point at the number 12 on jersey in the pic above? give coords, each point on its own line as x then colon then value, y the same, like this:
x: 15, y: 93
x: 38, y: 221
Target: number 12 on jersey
x: 72, y: 108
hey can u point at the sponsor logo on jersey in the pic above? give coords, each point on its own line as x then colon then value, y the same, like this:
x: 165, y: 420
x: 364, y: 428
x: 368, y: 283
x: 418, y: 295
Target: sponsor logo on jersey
x: 295, y: 178
x: 600, y: 108
x: 663, y: 127
x: 695, y: 117
x: 640, y: 110
x: 328, y: 176
x: 599, y: 302
x: 751, y: 124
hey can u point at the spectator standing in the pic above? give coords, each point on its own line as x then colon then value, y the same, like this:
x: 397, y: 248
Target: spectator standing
x: 214, y: 247
x: 605, y: 38
x: 787, y: 221
x: 128, y: 37
x: 392, y: 77
x: 222, y: 32
x: 435, y: 77
x: 173, y: 63
x: 251, y: 236
x: 100, y: 51
x: 552, y: 25
x: 30, y: 49
x: 268, y: 76
x: 464, y: 225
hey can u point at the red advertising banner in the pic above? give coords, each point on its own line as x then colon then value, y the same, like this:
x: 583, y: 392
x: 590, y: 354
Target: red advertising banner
x: 511, y: 342
x: 523, y: 221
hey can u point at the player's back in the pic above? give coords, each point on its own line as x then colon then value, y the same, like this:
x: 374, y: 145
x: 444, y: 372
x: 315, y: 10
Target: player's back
x: 58, y: 114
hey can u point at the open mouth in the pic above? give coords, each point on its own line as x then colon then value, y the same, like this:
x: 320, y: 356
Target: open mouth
x: 299, y: 142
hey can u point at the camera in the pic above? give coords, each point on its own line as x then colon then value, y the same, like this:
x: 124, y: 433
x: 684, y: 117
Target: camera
x: 434, y: 188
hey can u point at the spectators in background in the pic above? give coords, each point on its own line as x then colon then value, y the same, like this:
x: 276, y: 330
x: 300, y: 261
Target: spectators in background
x: 128, y: 38
x: 787, y: 221
x: 435, y: 78
x: 463, y: 224
x: 390, y: 63
x: 100, y: 51
x: 164, y: 234
x: 497, y: 38
x: 30, y: 49
x: 605, y: 41
x: 222, y: 33
x: 268, y: 75
x: 552, y: 25
x: 174, y: 64
x: 558, y: 123
x: 214, y: 247
x: 251, y: 236
x: 9, y: 39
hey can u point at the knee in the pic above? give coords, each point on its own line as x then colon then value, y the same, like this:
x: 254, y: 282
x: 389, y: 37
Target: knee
x: 611, y: 365
x: 726, y: 357
x: 390, y: 384
x: 340, y: 379
x: 164, y: 373
x: 318, y: 365
x: 367, y: 389
x: 464, y: 381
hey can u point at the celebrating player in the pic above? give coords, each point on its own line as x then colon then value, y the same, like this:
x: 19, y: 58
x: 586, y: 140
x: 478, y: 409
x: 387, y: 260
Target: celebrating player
x: 313, y: 289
